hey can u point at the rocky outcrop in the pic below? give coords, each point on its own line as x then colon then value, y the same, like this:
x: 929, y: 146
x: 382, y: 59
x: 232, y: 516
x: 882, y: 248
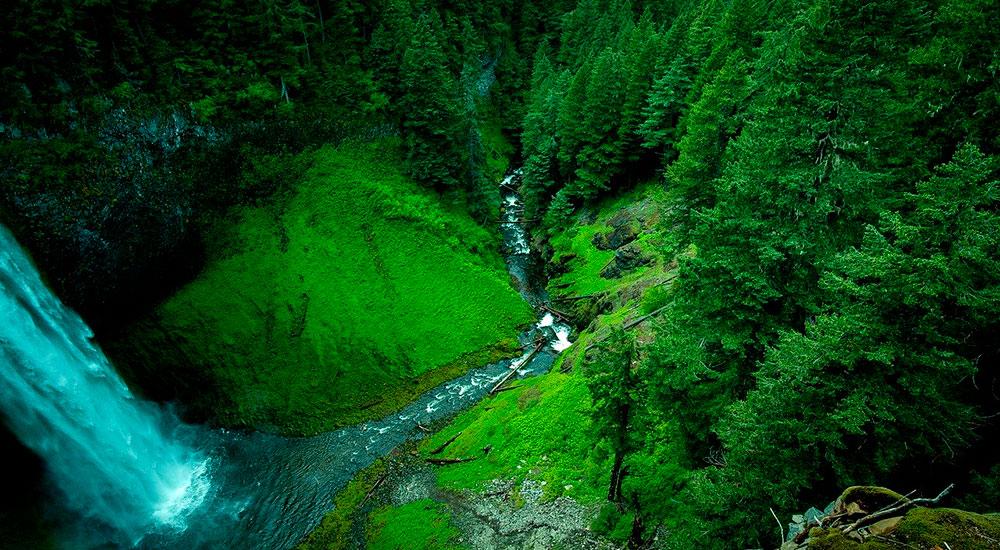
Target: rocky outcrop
x: 626, y: 259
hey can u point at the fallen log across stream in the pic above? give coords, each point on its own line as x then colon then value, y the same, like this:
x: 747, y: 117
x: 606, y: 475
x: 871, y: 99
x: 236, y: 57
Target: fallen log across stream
x: 575, y: 298
x: 514, y: 370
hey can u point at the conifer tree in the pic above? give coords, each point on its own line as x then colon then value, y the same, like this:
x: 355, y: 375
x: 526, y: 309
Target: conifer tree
x: 614, y: 390
x: 431, y: 123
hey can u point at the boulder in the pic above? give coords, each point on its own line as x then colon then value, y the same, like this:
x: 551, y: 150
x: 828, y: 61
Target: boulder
x: 626, y: 259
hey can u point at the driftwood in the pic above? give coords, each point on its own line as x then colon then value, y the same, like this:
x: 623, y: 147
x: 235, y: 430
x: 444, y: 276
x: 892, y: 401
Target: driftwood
x: 445, y: 444
x: 635, y: 322
x: 895, y: 510
x: 423, y: 428
x: 447, y: 461
x: 556, y: 312
x: 514, y: 370
x: 368, y: 495
x: 370, y: 405
x: 575, y: 298
x: 508, y: 388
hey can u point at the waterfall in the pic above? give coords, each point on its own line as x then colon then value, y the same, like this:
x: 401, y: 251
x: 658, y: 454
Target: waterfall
x: 121, y: 463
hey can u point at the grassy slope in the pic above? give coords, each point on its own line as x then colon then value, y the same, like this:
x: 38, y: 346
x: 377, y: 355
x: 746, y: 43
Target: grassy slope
x: 537, y: 431
x: 354, y: 296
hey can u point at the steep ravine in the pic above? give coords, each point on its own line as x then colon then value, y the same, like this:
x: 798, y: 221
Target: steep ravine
x: 271, y: 490
x: 254, y: 490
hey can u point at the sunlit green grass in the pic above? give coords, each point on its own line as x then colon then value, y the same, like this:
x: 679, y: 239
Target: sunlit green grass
x: 537, y: 431
x: 340, y: 304
x: 419, y: 525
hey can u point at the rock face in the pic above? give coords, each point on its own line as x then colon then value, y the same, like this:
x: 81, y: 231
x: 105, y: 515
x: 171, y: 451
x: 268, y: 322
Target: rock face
x: 626, y: 259
x: 619, y: 237
x: 535, y: 524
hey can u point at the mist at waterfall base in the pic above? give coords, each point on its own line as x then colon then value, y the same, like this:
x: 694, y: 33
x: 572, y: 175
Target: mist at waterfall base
x: 127, y: 473
x: 123, y: 465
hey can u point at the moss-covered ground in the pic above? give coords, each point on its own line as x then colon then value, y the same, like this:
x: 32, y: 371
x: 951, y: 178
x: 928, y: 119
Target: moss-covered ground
x: 337, y: 303
x: 536, y: 431
x: 421, y: 524
x: 582, y: 262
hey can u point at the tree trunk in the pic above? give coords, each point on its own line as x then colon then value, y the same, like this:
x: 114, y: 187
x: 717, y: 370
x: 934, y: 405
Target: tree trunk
x: 284, y: 91
x: 635, y: 540
x: 322, y: 24
x: 615, y: 489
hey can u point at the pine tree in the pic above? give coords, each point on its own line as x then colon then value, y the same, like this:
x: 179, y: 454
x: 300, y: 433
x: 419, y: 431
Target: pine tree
x: 600, y: 150
x: 431, y: 123
x: 569, y: 125
x: 614, y: 391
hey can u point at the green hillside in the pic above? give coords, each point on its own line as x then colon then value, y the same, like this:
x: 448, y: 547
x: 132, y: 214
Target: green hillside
x: 337, y: 304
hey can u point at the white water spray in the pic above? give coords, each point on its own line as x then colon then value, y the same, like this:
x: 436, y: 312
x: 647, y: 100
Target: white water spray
x: 117, y: 460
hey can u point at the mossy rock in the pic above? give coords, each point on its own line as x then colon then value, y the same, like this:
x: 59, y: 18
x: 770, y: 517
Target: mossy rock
x: 927, y: 527
x: 924, y: 528
x: 868, y: 498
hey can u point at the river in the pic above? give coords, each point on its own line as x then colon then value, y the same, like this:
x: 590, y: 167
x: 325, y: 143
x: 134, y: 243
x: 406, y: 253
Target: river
x: 212, y: 488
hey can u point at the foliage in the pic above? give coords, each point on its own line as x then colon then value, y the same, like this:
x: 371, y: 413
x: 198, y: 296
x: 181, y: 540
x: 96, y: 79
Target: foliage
x: 614, y: 392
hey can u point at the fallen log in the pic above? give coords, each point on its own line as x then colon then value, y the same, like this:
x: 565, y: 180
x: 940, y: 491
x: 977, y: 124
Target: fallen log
x: 447, y: 461
x: 631, y: 324
x: 367, y: 406
x: 445, y: 445
x: 423, y: 428
x: 508, y: 388
x: 556, y: 312
x: 514, y: 370
x: 575, y: 298
x: 368, y: 495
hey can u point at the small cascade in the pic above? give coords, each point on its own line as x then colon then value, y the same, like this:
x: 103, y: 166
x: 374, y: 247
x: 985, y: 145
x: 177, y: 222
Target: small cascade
x: 522, y: 266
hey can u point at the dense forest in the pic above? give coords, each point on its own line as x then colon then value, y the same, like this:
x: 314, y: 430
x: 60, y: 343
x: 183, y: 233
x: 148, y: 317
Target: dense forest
x: 826, y: 176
